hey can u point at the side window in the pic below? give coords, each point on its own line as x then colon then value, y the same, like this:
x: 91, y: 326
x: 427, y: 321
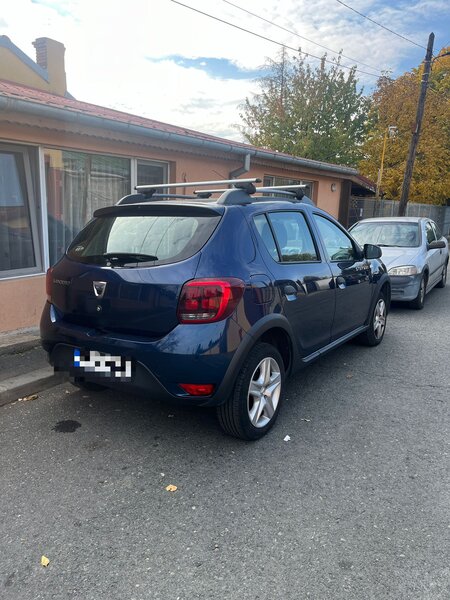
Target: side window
x: 437, y: 231
x: 431, y: 237
x: 338, y: 245
x: 293, y: 236
x: 266, y: 235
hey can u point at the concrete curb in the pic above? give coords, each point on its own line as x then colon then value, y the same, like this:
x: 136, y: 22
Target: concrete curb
x: 18, y: 347
x: 29, y: 383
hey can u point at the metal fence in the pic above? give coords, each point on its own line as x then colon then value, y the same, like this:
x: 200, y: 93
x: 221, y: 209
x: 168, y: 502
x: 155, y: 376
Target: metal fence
x: 364, y: 208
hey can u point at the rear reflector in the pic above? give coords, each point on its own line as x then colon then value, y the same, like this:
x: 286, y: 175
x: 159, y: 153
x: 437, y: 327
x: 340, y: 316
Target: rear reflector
x: 209, y: 300
x: 197, y: 389
x: 48, y: 283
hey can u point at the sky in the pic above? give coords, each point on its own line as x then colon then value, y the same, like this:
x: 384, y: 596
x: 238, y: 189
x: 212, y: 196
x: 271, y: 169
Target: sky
x: 161, y: 60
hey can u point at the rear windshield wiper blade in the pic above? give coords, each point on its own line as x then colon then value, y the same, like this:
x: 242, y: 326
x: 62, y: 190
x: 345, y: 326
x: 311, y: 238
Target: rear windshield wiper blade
x: 129, y: 257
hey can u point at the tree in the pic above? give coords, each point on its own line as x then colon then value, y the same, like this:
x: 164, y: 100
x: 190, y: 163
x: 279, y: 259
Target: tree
x: 394, y: 103
x: 315, y: 113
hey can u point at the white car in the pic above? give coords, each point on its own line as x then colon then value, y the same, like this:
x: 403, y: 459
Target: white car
x: 414, y: 251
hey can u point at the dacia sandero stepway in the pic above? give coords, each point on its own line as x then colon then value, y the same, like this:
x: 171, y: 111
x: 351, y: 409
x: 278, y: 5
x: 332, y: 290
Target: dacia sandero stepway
x: 211, y: 302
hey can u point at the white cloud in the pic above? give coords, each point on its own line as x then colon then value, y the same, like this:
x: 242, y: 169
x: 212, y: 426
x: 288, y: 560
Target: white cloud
x: 107, y: 43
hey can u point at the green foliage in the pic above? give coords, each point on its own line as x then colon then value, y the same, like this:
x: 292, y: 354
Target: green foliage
x: 395, y: 104
x: 315, y: 113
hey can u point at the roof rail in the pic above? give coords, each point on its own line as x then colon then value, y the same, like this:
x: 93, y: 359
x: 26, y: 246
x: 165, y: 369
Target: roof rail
x: 238, y: 183
x: 291, y: 190
x: 241, y: 192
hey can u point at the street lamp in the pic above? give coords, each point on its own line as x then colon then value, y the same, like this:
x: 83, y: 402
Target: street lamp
x: 391, y: 131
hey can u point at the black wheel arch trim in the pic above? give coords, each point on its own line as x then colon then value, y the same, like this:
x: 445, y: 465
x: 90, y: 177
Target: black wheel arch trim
x: 249, y: 340
x: 382, y: 282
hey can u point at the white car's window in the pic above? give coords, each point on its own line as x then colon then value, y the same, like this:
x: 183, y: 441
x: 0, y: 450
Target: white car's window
x: 437, y: 231
x: 385, y: 233
x: 429, y: 232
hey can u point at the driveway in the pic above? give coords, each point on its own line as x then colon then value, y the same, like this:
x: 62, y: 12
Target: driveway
x: 355, y: 505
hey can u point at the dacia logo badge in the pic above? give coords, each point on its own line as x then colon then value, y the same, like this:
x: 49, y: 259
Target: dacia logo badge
x: 99, y: 288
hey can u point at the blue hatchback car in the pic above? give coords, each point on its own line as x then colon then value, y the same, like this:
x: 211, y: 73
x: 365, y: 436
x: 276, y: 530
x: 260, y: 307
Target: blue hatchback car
x: 211, y: 302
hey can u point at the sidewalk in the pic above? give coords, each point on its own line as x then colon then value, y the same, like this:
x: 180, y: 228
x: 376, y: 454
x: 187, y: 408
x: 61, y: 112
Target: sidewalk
x: 24, y: 369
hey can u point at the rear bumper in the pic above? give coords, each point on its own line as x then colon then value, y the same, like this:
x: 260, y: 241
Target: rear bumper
x: 188, y: 354
x: 405, y: 288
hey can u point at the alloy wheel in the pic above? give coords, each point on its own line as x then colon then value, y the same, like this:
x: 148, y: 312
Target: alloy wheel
x: 264, y: 392
x: 379, y: 319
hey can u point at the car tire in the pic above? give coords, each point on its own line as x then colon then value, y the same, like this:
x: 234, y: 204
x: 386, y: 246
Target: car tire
x: 88, y: 386
x: 377, y: 323
x: 254, y: 404
x: 419, y: 301
x: 443, y: 279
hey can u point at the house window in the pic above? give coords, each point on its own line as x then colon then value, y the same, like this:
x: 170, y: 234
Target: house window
x: 78, y: 184
x: 19, y: 239
x: 152, y: 172
x: 270, y: 180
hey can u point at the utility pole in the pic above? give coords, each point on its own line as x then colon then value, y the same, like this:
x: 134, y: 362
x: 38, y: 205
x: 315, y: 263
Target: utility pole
x: 416, y: 133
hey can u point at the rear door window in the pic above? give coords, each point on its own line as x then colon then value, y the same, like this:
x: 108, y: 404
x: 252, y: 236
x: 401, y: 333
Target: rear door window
x: 293, y: 237
x: 128, y: 240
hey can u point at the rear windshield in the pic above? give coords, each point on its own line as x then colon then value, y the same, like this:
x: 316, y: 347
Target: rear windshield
x: 384, y: 233
x: 129, y: 241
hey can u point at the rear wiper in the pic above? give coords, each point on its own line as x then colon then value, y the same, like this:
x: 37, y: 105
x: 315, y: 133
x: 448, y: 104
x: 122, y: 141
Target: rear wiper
x: 129, y: 257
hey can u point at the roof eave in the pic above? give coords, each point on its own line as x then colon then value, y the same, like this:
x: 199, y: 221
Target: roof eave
x: 73, y: 116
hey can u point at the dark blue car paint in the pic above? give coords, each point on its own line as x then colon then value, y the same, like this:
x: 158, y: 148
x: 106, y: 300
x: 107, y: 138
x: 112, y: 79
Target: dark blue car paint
x: 137, y: 317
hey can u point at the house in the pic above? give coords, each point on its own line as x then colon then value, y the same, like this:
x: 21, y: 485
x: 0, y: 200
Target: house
x: 60, y: 159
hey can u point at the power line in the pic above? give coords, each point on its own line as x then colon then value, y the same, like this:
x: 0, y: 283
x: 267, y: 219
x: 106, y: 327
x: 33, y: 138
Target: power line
x: 300, y: 36
x: 263, y: 37
x: 380, y: 25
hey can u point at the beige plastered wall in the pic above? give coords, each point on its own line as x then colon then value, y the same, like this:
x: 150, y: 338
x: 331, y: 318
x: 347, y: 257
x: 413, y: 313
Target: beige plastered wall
x: 22, y: 299
x: 21, y: 302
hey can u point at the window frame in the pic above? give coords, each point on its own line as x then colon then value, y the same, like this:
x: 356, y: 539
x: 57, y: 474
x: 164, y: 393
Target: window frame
x: 32, y: 203
x: 266, y: 214
x: 164, y: 164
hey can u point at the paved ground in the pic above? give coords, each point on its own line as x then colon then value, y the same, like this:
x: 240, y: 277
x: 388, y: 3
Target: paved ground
x: 355, y: 506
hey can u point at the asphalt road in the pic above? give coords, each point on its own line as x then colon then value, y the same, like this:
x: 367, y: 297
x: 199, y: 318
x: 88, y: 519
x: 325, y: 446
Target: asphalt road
x: 354, y: 506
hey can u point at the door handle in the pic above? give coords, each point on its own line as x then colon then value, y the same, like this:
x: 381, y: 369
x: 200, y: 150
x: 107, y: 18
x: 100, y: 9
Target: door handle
x: 340, y: 282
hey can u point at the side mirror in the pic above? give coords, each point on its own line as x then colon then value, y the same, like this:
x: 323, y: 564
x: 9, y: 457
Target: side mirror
x: 371, y: 251
x: 436, y: 245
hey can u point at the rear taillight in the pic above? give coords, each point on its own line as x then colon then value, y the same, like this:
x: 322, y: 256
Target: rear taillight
x: 209, y: 300
x: 48, y: 283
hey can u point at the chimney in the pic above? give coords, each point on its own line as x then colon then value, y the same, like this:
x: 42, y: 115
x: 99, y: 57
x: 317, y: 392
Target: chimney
x: 50, y: 56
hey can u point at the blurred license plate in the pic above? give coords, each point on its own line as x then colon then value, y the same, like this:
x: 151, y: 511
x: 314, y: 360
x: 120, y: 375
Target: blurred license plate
x: 104, y: 365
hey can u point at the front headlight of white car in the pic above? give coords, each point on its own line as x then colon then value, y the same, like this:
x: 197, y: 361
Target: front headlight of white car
x: 406, y: 270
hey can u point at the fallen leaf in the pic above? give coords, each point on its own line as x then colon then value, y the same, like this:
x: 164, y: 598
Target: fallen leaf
x: 287, y: 438
x: 171, y: 488
x: 44, y: 561
x: 27, y: 398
